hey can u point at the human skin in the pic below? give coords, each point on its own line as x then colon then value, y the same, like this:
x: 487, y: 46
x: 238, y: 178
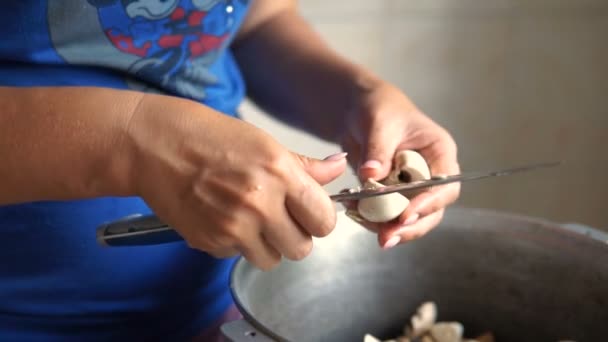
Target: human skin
x: 226, y: 186
x: 59, y: 143
x: 294, y: 75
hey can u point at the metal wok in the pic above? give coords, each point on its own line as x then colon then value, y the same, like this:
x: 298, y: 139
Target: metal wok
x: 524, y: 279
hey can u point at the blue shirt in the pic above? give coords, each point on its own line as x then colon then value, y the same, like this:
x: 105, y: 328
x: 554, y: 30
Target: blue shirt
x: 56, y: 282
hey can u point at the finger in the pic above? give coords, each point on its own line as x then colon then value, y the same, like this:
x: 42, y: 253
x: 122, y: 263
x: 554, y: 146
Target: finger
x: 323, y: 171
x: 378, y: 151
x: 288, y: 238
x: 430, y: 202
x: 396, y: 234
x: 224, y: 253
x: 260, y: 253
x: 309, y: 204
x: 436, y: 198
x: 312, y: 209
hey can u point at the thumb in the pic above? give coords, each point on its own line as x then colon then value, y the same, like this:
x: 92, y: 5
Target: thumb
x: 377, y: 154
x: 323, y: 171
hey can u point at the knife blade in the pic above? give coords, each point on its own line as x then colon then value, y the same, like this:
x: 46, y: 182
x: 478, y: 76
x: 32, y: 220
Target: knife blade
x: 140, y: 230
x: 435, y: 181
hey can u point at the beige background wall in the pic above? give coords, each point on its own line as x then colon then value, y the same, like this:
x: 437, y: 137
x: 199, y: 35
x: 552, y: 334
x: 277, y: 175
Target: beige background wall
x: 515, y: 81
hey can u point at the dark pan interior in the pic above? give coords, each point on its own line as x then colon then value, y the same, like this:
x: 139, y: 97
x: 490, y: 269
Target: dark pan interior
x: 522, y: 279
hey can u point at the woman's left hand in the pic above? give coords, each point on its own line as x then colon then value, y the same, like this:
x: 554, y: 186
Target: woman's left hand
x: 382, y: 122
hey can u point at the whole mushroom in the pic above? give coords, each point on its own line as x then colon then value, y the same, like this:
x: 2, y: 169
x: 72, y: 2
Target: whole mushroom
x: 408, y: 166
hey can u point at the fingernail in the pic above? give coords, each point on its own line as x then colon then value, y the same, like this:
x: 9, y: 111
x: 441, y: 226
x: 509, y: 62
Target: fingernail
x: 392, y: 242
x: 371, y: 164
x: 336, y: 157
x: 411, y: 220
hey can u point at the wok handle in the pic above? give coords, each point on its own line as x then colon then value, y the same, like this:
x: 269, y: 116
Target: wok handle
x: 136, y: 230
x: 242, y: 331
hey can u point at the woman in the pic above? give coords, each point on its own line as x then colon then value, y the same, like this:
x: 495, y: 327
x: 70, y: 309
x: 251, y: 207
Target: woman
x: 115, y: 107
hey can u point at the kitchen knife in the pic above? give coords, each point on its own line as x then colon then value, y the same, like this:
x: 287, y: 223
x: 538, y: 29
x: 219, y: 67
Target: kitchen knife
x: 140, y: 230
x: 434, y: 181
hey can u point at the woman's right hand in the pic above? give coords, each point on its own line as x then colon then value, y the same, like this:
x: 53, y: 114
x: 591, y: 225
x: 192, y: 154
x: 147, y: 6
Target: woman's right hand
x: 226, y: 186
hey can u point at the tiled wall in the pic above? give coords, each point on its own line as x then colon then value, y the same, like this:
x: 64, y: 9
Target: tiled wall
x: 515, y: 81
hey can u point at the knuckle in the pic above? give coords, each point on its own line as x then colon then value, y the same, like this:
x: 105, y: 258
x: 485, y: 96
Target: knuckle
x: 276, y: 162
x: 255, y: 208
x: 306, y: 194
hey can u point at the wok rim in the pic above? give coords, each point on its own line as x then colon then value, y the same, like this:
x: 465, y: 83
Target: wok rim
x: 593, y: 234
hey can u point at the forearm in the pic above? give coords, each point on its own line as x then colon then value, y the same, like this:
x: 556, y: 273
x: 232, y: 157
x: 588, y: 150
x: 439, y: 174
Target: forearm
x: 295, y: 76
x: 64, y: 143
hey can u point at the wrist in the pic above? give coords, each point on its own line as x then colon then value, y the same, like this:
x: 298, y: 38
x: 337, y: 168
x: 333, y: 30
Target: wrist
x: 361, y: 85
x: 156, y: 142
x: 120, y: 161
x: 351, y: 85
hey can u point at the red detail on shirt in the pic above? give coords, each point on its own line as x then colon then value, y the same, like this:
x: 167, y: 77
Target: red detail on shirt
x: 178, y: 14
x: 125, y: 44
x: 169, y: 41
x: 196, y: 18
x: 205, y: 43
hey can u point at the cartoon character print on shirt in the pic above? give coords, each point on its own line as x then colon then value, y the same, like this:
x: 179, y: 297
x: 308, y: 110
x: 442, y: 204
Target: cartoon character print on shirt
x: 176, y: 41
x: 164, y: 44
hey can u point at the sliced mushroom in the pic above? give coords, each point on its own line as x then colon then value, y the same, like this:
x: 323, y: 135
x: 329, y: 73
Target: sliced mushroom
x: 487, y: 337
x: 403, y: 339
x: 408, y: 166
x: 427, y: 338
x: 422, y: 321
x: 424, y: 328
x: 370, y: 338
x: 382, y: 208
x: 447, y: 332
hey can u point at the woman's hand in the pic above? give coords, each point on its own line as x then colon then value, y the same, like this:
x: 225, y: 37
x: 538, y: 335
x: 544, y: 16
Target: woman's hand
x: 383, y: 121
x: 226, y: 186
